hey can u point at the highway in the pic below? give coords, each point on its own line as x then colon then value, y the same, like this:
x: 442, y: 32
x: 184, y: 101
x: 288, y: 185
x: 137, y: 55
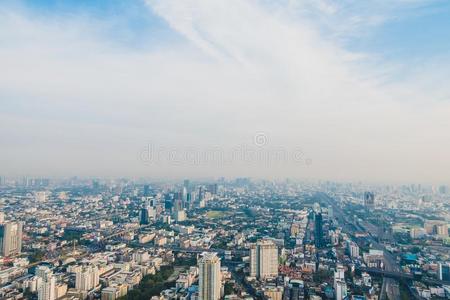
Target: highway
x: 390, y: 286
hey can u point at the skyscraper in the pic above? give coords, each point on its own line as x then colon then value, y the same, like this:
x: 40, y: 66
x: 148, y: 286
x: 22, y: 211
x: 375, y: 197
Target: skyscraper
x: 144, y: 216
x: 295, y: 290
x: 209, y: 277
x: 264, y: 259
x: 146, y: 191
x: 444, y: 271
x: 369, y: 199
x: 339, y: 275
x: 47, y: 286
x: 318, y: 230
x: 10, y: 238
x: 341, y: 290
x: 86, y: 278
x: 187, y: 184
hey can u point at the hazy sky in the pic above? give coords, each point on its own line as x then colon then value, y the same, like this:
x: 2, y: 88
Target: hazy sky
x: 343, y: 89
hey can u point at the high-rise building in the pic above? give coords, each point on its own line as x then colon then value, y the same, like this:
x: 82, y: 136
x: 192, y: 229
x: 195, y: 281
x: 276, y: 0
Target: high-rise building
x: 209, y: 277
x: 146, y: 191
x: 352, y: 249
x: 187, y: 184
x: 442, y: 230
x: 2, y: 217
x: 213, y: 188
x: 10, y: 238
x: 339, y: 275
x: 444, y: 271
x: 330, y: 212
x: 340, y: 290
x: 86, y: 278
x: 318, y: 230
x: 295, y: 290
x: 369, y: 199
x: 144, y: 216
x: 264, y: 259
x: 47, y: 286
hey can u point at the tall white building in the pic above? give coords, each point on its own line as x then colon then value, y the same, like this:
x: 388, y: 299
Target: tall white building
x: 352, y: 249
x: 341, y: 290
x: 209, y: 277
x: 10, y: 238
x: 46, y: 283
x: 86, y: 278
x: 264, y: 259
x: 339, y: 276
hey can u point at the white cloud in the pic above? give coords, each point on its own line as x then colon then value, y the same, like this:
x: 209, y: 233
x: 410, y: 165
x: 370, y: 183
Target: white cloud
x: 89, y: 106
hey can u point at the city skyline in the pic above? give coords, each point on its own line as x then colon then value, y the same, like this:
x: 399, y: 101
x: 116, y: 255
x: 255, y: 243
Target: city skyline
x: 359, y: 88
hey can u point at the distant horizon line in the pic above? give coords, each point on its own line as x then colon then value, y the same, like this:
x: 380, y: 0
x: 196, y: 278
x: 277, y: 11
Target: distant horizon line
x: 177, y: 179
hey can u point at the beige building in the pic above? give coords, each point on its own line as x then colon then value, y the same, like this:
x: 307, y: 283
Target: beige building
x: 114, y: 292
x: 209, y: 277
x: 274, y: 293
x: 86, y: 278
x: 264, y: 259
x: 10, y: 238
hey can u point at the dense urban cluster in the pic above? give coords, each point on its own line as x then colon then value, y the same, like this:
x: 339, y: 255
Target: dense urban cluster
x: 233, y: 239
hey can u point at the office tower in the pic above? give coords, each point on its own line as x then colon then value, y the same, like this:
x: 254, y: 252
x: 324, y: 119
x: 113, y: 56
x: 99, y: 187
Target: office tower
x: 295, y: 290
x: 146, y: 190
x: 144, y: 216
x: 264, y: 259
x: 444, y: 271
x: 47, y: 286
x: 177, y: 205
x: 187, y: 184
x: 184, y: 194
x: 201, y: 193
x: 318, y: 230
x: 86, y: 278
x: 209, y: 277
x: 179, y: 215
x: 213, y: 188
x: 340, y: 290
x: 369, y: 199
x: 10, y: 238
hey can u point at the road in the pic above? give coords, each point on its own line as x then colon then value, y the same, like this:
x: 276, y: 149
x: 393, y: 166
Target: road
x: 390, y: 286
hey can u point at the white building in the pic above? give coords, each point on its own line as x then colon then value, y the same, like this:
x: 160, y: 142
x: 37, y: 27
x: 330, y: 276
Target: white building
x: 46, y: 283
x: 341, y: 290
x: 86, y: 277
x: 339, y: 275
x: 209, y: 277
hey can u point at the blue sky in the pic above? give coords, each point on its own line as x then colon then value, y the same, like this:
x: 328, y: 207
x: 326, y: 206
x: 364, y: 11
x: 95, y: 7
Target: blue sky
x: 420, y: 30
x: 360, y: 86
